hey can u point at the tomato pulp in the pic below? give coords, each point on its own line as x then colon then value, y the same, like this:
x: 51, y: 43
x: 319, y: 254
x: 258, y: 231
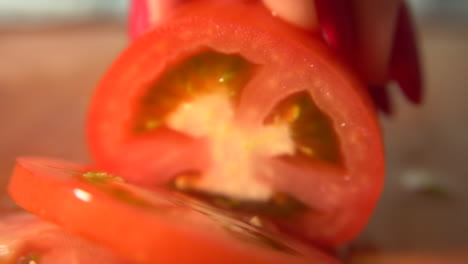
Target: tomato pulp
x: 143, y: 226
x: 228, y: 104
x: 25, y: 239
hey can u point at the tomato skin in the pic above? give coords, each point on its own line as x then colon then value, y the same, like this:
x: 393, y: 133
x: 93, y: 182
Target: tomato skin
x: 140, y: 226
x: 345, y: 202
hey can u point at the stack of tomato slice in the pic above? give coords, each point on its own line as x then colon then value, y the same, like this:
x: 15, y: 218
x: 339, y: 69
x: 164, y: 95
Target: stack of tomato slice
x: 236, y: 138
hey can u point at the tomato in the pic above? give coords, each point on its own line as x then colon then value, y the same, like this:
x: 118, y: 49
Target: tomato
x: 229, y: 104
x: 143, y: 226
x: 25, y: 239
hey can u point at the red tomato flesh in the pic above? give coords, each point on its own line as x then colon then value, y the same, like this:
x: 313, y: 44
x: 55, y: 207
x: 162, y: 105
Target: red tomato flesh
x: 25, y: 239
x: 143, y: 226
x: 227, y: 103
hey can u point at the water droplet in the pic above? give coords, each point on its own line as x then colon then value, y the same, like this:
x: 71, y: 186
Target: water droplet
x: 82, y: 195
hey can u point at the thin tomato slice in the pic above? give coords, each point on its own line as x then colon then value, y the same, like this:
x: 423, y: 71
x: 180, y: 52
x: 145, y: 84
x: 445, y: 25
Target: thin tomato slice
x: 26, y: 239
x: 146, y: 227
x: 227, y: 101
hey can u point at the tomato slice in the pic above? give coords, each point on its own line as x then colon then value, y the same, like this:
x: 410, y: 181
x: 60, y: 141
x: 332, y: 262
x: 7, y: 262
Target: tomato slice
x: 143, y: 226
x: 25, y: 239
x: 228, y: 104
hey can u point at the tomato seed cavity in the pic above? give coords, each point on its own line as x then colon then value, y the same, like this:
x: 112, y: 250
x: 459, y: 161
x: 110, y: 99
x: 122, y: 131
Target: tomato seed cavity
x: 202, y: 73
x: 312, y: 130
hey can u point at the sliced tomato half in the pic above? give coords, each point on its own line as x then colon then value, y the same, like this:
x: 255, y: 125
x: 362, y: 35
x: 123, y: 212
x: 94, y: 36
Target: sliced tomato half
x: 229, y: 104
x: 143, y: 226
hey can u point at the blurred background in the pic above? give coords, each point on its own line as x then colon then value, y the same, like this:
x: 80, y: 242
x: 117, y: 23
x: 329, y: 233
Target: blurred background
x: 53, y: 52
